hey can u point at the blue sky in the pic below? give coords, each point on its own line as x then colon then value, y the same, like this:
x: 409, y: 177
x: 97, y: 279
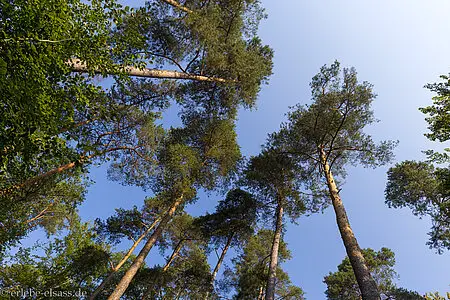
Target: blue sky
x: 398, y: 46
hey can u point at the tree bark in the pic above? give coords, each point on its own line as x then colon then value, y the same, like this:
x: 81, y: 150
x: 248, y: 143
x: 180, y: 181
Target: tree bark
x: 366, y: 283
x: 35, y: 179
x: 221, y: 258
x: 271, y: 281
x: 81, y: 67
x: 174, y: 254
x: 261, y: 293
x: 123, y: 260
x: 219, y: 262
x: 172, y: 257
x: 178, y: 5
x: 139, y: 261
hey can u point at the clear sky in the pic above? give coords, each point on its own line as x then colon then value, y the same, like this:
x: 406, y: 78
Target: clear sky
x: 398, y: 46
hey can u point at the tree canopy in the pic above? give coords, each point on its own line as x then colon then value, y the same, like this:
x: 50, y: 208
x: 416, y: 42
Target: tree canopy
x: 153, y: 94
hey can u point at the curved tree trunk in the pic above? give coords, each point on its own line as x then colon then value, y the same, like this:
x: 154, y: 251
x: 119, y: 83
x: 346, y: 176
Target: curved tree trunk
x: 270, y: 289
x: 123, y: 260
x: 139, y: 261
x: 366, y: 283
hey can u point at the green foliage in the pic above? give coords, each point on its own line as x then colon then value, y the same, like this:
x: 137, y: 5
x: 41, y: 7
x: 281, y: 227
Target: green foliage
x: 235, y: 218
x: 439, y: 112
x: 250, y: 273
x: 128, y: 224
x: 436, y: 296
x: 334, y: 122
x: 188, y: 275
x: 426, y: 191
x: 51, y: 118
x: 274, y: 178
x: 52, y: 209
x: 438, y: 118
x: 342, y: 284
x: 39, y: 99
x: 71, y: 263
x: 421, y: 186
x: 181, y: 231
x: 202, y: 153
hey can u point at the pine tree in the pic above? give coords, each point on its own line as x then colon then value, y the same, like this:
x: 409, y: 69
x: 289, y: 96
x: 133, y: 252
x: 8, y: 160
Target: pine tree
x: 326, y: 136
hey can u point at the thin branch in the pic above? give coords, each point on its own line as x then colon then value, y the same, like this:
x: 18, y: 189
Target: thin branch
x: 76, y: 125
x: 344, y: 117
x: 165, y: 57
x: 192, y: 61
x: 40, y: 214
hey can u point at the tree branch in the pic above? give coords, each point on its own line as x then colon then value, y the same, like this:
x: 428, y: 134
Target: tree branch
x: 344, y: 117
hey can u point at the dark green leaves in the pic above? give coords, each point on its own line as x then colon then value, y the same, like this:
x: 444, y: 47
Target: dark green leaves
x: 439, y: 112
x: 426, y: 191
x: 342, y: 285
x: 334, y: 122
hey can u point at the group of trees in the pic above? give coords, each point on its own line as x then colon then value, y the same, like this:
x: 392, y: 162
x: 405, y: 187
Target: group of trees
x: 87, y: 83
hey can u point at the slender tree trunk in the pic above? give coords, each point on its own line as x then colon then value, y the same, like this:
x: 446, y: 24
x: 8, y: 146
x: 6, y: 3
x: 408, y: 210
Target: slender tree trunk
x: 219, y: 262
x: 366, y: 283
x: 221, y: 258
x: 139, y: 261
x: 80, y: 67
x: 271, y: 281
x: 123, y: 260
x: 174, y: 255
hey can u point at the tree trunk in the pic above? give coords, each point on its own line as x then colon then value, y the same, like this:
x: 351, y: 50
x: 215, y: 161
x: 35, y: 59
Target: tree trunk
x: 172, y: 257
x: 174, y: 254
x: 178, y: 5
x: 219, y: 262
x: 261, y: 293
x: 366, y: 283
x: 81, y: 67
x: 139, y: 261
x: 221, y: 258
x: 36, y: 179
x: 271, y: 281
x: 123, y: 260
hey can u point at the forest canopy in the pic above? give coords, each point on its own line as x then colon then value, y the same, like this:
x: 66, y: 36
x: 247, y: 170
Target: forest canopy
x: 155, y: 95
